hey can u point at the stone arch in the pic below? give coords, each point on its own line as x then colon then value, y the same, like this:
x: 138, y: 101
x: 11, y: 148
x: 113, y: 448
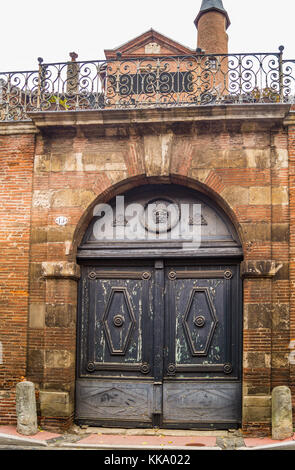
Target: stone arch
x: 141, y: 180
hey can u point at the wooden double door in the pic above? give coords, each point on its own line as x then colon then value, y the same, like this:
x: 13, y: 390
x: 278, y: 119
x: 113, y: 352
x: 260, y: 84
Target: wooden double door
x: 159, y: 344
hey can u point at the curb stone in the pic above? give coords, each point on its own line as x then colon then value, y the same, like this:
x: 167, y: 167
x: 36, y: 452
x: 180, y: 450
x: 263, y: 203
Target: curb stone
x: 281, y: 446
x: 8, y: 439
x: 135, y: 447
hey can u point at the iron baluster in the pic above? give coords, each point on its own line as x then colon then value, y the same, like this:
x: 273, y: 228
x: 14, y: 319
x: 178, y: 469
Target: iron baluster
x: 281, y: 74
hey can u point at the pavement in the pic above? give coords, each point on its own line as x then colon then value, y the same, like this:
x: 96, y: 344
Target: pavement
x: 90, y: 438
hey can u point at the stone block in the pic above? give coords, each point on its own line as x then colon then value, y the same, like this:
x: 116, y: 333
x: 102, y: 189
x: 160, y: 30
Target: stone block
x: 60, y: 234
x: 59, y: 359
x: 257, y: 408
x: 259, y: 195
x: 280, y: 158
x: 257, y: 414
x: 55, y: 404
x: 257, y: 232
x: 157, y: 154
x: 37, y: 315
x: 60, y: 315
x: 280, y: 232
x: 282, y: 425
x: 42, y: 199
x: 258, y: 158
x: 39, y: 235
x: 60, y: 270
x: 26, y: 408
x: 200, y: 174
x: 280, y: 360
x: 36, y: 361
x: 236, y: 195
x: 280, y: 317
x: 206, y: 157
x: 260, y: 401
x: 258, y: 316
x: 257, y: 360
x: 72, y: 198
x: 106, y: 161
x: 280, y: 195
x: 259, y: 268
x: 41, y: 163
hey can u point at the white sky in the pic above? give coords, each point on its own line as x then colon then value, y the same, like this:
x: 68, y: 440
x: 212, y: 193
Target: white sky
x: 34, y: 28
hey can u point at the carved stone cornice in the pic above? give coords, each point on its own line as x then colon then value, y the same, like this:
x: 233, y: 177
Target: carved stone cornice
x: 60, y: 270
x: 260, y: 268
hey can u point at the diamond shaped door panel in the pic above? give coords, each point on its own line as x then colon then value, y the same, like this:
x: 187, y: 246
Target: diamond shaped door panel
x: 119, y: 321
x: 200, y: 321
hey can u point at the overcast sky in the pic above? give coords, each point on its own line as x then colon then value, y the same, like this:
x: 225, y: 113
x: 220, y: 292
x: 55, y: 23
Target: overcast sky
x: 34, y: 28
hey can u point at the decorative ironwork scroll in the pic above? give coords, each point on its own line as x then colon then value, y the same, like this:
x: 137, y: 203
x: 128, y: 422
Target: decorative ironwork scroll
x: 193, y: 80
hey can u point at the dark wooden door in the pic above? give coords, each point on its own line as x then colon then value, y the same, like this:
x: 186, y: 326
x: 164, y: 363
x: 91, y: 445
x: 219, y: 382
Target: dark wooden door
x: 201, y: 382
x: 159, y: 344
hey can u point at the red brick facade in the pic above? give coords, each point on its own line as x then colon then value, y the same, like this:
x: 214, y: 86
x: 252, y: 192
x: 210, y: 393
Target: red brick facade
x: 16, y: 162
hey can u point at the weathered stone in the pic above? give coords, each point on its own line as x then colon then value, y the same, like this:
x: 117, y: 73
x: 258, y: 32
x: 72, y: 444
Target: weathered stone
x: 55, y: 404
x: 39, y: 235
x: 236, y: 195
x: 107, y: 161
x: 260, y: 401
x: 60, y: 270
x: 280, y: 195
x: 42, y: 163
x: 280, y: 317
x: 206, y: 157
x: 37, y: 315
x: 280, y: 232
x: 60, y: 315
x: 258, y: 360
x: 260, y: 268
x: 283, y: 273
x: 59, y: 359
x: 42, y: 198
x: 258, y: 158
x: 157, y: 151
x: 258, y: 316
x: 35, y: 360
x: 60, y: 234
x: 257, y: 413
x: 282, y: 426
x: 280, y: 158
x: 259, y: 195
x: 72, y: 198
x: 26, y: 408
x: 280, y: 359
x: 257, y: 232
x: 35, y: 271
x: 200, y: 174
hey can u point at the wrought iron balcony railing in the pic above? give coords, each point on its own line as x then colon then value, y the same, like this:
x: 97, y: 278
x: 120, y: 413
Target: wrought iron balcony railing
x: 195, y: 80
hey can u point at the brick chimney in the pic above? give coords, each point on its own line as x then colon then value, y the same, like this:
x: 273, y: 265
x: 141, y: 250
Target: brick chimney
x: 212, y: 23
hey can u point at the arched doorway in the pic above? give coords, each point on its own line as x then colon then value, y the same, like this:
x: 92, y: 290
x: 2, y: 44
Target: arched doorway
x: 160, y: 314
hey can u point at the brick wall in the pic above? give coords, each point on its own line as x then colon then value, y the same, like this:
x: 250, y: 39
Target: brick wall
x: 16, y: 164
x: 212, y: 36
